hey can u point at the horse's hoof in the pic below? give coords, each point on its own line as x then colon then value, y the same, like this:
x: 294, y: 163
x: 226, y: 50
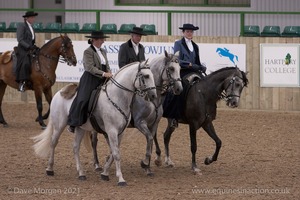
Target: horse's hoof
x: 150, y: 174
x: 207, y: 161
x: 104, y: 177
x: 122, y: 184
x: 144, y: 166
x: 98, y: 169
x: 50, y: 173
x: 82, y: 178
x: 158, y: 163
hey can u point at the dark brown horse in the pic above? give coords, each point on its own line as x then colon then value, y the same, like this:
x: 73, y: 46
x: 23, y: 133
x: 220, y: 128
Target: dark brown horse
x: 201, y: 109
x: 42, y: 76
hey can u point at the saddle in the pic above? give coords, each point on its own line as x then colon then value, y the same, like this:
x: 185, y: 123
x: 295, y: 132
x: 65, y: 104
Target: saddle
x: 69, y: 91
x: 174, y: 104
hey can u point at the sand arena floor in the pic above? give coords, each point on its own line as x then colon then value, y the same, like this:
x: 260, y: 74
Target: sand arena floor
x: 259, y: 159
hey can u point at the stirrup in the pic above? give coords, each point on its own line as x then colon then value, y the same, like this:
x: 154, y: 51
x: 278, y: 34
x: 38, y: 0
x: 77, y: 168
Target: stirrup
x: 174, y: 123
x: 22, y: 86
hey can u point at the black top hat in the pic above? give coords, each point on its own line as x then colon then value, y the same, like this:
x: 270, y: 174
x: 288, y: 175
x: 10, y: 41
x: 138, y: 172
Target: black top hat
x: 30, y: 14
x: 189, y: 27
x: 97, y: 35
x: 137, y: 30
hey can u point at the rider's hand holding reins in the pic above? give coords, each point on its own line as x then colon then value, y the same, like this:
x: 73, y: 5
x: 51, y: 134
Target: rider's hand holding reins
x: 107, y: 74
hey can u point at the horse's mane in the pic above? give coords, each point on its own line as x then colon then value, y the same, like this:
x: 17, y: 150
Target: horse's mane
x: 124, y: 67
x: 244, y: 77
x: 52, y: 40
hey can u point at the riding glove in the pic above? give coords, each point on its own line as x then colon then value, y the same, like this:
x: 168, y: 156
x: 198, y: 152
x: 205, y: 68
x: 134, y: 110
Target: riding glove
x: 199, y: 67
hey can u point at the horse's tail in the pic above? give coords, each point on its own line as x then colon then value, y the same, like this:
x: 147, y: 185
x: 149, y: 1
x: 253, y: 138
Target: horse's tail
x: 87, y: 141
x: 43, y: 141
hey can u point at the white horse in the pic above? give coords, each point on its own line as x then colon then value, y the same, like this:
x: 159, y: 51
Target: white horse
x: 112, y: 113
x: 146, y: 115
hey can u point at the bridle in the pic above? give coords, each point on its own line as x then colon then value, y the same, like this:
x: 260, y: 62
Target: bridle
x: 171, y: 80
x: 226, y: 96
x: 142, y: 89
x: 63, y: 52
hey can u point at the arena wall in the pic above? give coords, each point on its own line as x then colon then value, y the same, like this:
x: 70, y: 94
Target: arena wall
x: 253, y: 97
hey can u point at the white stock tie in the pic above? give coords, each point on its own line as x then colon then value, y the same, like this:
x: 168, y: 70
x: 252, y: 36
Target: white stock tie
x: 190, y: 45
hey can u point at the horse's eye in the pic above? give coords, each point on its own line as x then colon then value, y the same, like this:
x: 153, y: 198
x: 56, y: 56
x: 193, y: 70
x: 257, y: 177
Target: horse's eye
x: 171, y: 69
x: 146, y: 76
x: 176, y: 61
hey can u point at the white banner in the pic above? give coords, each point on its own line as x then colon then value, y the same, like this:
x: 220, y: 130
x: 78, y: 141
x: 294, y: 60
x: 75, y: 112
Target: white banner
x: 7, y: 44
x: 279, y: 65
x: 214, y: 56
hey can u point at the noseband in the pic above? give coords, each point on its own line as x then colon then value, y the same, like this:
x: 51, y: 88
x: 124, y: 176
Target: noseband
x: 226, y: 97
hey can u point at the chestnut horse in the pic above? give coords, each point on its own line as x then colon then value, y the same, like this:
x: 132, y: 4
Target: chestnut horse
x: 42, y: 76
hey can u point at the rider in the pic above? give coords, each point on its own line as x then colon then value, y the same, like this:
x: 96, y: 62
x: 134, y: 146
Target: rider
x: 26, y: 43
x: 132, y: 50
x: 189, y: 61
x: 97, y: 69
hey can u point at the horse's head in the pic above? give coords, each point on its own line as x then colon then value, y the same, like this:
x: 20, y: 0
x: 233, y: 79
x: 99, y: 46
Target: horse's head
x: 234, y: 86
x: 171, y: 73
x: 67, y: 51
x: 145, y: 81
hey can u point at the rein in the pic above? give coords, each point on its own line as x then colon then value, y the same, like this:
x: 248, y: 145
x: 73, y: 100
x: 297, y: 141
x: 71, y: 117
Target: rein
x: 140, y: 92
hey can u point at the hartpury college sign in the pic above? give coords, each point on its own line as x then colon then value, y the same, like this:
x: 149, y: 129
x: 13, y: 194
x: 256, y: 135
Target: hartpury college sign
x: 279, y: 65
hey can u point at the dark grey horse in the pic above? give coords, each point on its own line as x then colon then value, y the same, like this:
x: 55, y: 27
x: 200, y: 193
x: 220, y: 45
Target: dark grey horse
x: 201, y: 109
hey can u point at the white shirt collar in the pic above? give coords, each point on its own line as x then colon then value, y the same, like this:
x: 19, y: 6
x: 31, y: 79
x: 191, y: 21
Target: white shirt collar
x: 135, y: 47
x: 31, y: 29
x: 189, y: 44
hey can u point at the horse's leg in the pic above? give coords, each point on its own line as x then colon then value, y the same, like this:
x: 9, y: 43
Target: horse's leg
x: 79, y: 133
x: 48, y: 96
x: 193, y: 142
x: 39, y: 105
x: 57, y: 131
x: 210, y: 130
x: 114, y: 143
x: 157, y: 160
x: 167, y: 137
x: 143, y: 128
x: 95, y: 154
x: 2, y: 91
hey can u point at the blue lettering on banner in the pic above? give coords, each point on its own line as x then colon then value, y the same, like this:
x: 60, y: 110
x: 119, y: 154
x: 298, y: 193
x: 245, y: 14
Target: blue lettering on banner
x: 158, y: 49
x: 112, y: 48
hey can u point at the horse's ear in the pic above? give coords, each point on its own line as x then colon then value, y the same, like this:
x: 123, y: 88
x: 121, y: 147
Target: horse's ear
x: 166, y: 54
x: 177, y: 53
